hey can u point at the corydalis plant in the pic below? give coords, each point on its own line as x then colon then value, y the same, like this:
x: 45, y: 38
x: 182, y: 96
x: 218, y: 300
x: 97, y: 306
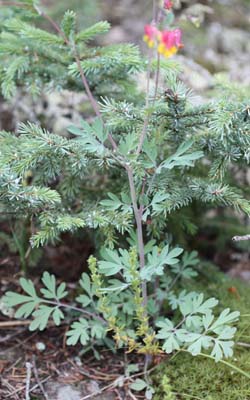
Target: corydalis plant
x: 111, y: 304
x: 151, y: 150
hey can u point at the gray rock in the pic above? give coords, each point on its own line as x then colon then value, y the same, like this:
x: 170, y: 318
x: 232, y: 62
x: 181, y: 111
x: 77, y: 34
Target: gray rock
x: 228, y: 40
x: 194, y: 75
x: 68, y: 393
x: 60, y: 391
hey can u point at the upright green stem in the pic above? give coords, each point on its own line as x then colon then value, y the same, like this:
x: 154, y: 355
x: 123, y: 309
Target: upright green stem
x: 154, y: 11
x: 146, y: 121
x: 138, y: 219
x: 157, y: 76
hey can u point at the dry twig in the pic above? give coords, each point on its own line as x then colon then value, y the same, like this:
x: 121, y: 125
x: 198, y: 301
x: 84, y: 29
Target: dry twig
x: 23, y: 387
x: 9, y: 324
x: 28, y: 377
x: 37, y: 378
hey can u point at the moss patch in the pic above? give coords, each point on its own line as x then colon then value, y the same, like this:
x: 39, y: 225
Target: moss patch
x: 201, y: 378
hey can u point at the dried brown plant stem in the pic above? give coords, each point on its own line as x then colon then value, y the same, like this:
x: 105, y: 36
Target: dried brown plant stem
x: 38, y: 379
x: 28, y: 378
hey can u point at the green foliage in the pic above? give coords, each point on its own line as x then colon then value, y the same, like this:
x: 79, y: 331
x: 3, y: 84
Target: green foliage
x: 197, y: 329
x: 139, y: 384
x: 32, y: 305
x: 27, y: 51
x: 200, y: 377
x: 198, y: 326
x: 97, y: 29
x: 167, y: 389
x: 123, y: 173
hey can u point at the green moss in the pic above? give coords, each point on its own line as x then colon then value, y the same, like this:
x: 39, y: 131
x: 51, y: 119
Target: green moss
x: 201, y: 378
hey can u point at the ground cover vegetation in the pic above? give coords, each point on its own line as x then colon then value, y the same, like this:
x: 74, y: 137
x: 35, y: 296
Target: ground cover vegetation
x: 131, y: 170
x: 197, y: 376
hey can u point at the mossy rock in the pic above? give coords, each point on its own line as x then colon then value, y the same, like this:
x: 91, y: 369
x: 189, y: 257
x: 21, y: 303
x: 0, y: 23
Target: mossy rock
x: 199, y: 377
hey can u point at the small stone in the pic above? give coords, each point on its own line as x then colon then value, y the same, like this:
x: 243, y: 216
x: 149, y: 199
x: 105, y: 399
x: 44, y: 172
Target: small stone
x: 40, y: 346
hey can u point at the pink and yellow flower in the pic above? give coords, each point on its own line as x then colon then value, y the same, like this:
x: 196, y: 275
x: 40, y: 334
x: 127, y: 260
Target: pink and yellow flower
x: 151, y: 35
x: 167, y: 4
x: 170, y: 42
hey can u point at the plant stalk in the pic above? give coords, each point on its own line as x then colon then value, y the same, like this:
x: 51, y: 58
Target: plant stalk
x: 81, y: 310
x: 138, y: 219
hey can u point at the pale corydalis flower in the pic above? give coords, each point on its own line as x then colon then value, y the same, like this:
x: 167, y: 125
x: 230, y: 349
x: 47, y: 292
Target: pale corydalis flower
x: 151, y: 35
x: 168, y: 42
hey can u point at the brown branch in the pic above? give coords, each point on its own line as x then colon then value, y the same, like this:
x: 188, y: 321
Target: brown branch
x: 91, y: 98
x: 23, y: 387
x: 90, y: 95
x: 54, y: 24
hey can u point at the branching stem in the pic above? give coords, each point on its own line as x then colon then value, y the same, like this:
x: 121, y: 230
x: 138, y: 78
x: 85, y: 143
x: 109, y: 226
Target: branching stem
x: 146, y: 121
x: 81, y: 310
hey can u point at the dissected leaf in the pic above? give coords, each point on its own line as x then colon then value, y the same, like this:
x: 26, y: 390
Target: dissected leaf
x: 57, y: 316
x: 41, y: 318
x: 84, y: 300
x: 78, y: 332
x: 138, y: 385
x: 28, y: 287
x: 85, y: 283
